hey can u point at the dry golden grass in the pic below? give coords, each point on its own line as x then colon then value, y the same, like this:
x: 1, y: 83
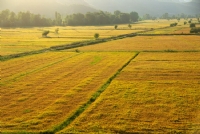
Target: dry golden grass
x: 46, y: 97
x: 28, y: 39
x: 148, y: 43
x: 149, y: 96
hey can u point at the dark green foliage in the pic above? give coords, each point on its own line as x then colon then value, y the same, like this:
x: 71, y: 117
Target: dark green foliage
x: 77, y: 50
x: 130, y: 26
x: 22, y: 19
x: 134, y: 16
x: 96, y: 35
x: 45, y: 33
x: 173, y: 24
x: 116, y: 26
x: 185, y: 23
x: 189, y: 21
x: 192, y: 25
x: 195, y: 30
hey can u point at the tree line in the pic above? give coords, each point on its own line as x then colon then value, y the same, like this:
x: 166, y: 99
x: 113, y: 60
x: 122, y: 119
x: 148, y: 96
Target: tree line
x: 23, y: 19
x: 27, y: 19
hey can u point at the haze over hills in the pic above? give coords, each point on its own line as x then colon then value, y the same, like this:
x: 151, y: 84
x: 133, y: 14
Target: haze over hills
x: 153, y: 7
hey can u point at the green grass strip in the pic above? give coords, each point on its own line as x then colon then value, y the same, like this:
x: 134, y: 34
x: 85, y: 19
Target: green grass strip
x: 81, y: 109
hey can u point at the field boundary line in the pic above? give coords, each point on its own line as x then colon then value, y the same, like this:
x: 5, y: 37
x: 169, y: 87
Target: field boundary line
x: 94, y: 97
x: 37, y: 70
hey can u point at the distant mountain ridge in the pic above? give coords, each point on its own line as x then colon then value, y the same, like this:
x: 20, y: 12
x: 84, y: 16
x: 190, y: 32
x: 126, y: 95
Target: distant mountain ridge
x: 153, y: 7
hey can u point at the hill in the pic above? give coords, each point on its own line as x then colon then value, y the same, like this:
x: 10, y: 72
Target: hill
x: 153, y: 7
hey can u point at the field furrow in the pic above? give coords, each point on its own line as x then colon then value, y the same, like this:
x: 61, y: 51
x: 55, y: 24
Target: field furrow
x: 44, y: 99
x: 148, y: 96
x: 16, y: 68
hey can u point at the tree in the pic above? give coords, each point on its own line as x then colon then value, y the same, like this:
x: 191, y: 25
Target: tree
x: 129, y: 25
x: 45, y: 33
x: 134, y: 16
x: 116, y: 26
x: 96, y: 35
x: 56, y: 30
x: 165, y: 16
x: 58, y: 19
x: 185, y: 23
x: 124, y: 18
x: 117, y: 13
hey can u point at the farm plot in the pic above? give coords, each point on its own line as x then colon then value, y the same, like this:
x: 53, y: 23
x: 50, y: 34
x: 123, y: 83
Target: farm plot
x: 155, y: 93
x: 43, y: 99
x: 28, y: 39
x: 148, y: 43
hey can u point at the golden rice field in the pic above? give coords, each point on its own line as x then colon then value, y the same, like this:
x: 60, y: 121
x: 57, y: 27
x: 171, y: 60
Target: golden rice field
x: 41, y: 91
x: 141, y: 84
x: 180, y: 29
x: 29, y: 39
x: 18, y: 40
x: 156, y: 93
x: 148, y: 43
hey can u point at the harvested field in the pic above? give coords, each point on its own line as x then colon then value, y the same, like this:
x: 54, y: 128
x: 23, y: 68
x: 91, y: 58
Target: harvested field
x: 155, y: 93
x: 148, y: 43
x: 52, y: 91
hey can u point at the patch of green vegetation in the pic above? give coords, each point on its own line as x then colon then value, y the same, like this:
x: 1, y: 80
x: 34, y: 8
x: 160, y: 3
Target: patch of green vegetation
x: 96, y: 60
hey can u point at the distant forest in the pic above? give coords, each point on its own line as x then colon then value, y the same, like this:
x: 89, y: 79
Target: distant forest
x: 27, y: 19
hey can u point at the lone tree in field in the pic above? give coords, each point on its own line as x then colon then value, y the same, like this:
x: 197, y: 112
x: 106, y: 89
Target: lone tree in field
x: 45, y: 33
x: 96, y: 35
x: 56, y: 30
x: 116, y: 26
x: 130, y: 26
x: 185, y: 23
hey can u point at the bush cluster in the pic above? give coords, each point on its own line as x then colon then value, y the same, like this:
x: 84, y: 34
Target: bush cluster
x: 173, y: 24
x: 192, y: 25
x: 195, y: 30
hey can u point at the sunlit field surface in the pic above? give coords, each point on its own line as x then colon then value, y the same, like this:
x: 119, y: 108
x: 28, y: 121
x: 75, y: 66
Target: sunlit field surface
x: 180, y: 29
x: 18, y: 40
x: 39, y: 92
x: 148, y: 43
x: 140, y: 84
x: 156, y: 93
x: 28, y: 39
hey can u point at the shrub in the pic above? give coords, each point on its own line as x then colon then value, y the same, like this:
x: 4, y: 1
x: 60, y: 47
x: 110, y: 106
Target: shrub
x: 185, y: 23
x: 173, y: 24
x: 56, y: 30
x: 116, y: 26
x: 96, y: 35
x: 129, y: 25
x: 77, y: 50
x: 45, y: 33
x: 192, y: 25
x: 195, y: 30
x: 189, y: 21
